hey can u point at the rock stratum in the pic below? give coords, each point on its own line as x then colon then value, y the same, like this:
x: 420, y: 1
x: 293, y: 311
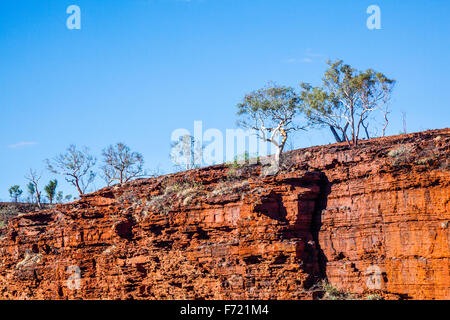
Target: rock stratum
x: 370, y: 220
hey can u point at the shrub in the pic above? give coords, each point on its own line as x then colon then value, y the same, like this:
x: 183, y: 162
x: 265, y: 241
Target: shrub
x: 400, y: 152
x: 333, y: 293
x: 225, y: 188
x: 400, y: 155
x: 242, y: 160
x: 424, y: 161
x: 374, y: 297
x: 29, y: 260
x: 171, y: 193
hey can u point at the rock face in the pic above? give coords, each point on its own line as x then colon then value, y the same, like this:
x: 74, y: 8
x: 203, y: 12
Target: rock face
x: 9, y: 210
x: 372, y: 219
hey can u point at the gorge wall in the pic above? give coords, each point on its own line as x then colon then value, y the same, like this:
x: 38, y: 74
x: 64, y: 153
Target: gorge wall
x: 372, y: 219
x: 8, y: 210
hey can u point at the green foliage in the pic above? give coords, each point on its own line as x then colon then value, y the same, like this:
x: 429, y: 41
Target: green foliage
x: 59, y: 197
x: 271, y: 113
x: 243, y: 159
x: 31, y: 191
x: 333, y: 293
x: 347, y: 100
x: 374, y: 297
x: 330, y: 292
x: 399, y: 152
x: 15, y: 192
x: 427, y: 160
x: 50, y: 190
x: 272, y: 101
x: 401, y: 155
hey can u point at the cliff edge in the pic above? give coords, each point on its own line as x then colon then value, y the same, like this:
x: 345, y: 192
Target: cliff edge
x: 370, y: 220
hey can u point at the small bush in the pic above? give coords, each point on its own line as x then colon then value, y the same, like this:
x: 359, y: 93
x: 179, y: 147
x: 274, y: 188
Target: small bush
x: 29, y: 260
x: 400, y: 155
x: 288, y: 162
x: 400, y: 152
x: 374, y: 297
x: 333, y: 293
x: 243, y: 159
x: 189, y: 194
x: 424, y: 161
x: 226, y: 188
x: 170, y: 194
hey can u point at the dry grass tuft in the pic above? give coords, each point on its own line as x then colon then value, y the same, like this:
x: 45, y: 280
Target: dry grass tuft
x: 171, y: 194
x: 29, y: 260
x: 226, y: 188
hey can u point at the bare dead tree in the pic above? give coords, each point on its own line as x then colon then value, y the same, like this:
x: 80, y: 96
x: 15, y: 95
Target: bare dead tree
x: 33, y: 177
x: 76, y: 166
x: 386, y: 113
x: 121, y: 164
x: 404, y: 122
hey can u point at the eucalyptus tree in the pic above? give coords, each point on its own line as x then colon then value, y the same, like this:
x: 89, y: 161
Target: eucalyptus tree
x: 59, y: 197
x: 15, y: 192
x: 271, y: 113
x: 50, y: 190
x: 347, y: 100
x: 31, y: 191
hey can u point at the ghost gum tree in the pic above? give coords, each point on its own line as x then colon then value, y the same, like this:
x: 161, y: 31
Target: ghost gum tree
x: 270, y: 112
x: 347, y: 101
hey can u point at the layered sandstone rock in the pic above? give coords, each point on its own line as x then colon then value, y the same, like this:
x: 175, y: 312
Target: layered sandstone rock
x: 371, y: 219
x: 9, y: 210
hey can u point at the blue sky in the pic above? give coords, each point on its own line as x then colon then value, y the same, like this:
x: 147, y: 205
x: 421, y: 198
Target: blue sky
x: 139, y: 69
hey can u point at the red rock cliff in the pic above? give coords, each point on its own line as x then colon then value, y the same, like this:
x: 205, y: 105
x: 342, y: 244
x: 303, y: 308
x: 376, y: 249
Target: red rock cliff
x: 371, y: 219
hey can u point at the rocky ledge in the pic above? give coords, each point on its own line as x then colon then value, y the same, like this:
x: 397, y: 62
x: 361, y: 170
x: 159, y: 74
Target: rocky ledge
x: 369, y: 220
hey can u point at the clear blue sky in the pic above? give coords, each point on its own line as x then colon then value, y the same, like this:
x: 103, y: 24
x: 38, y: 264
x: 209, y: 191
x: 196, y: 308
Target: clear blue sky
x: 138, y: 69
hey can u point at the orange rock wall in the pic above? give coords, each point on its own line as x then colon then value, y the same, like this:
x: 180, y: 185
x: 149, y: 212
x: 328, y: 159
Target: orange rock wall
x: 385, y: 224
x: 374, y: 219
